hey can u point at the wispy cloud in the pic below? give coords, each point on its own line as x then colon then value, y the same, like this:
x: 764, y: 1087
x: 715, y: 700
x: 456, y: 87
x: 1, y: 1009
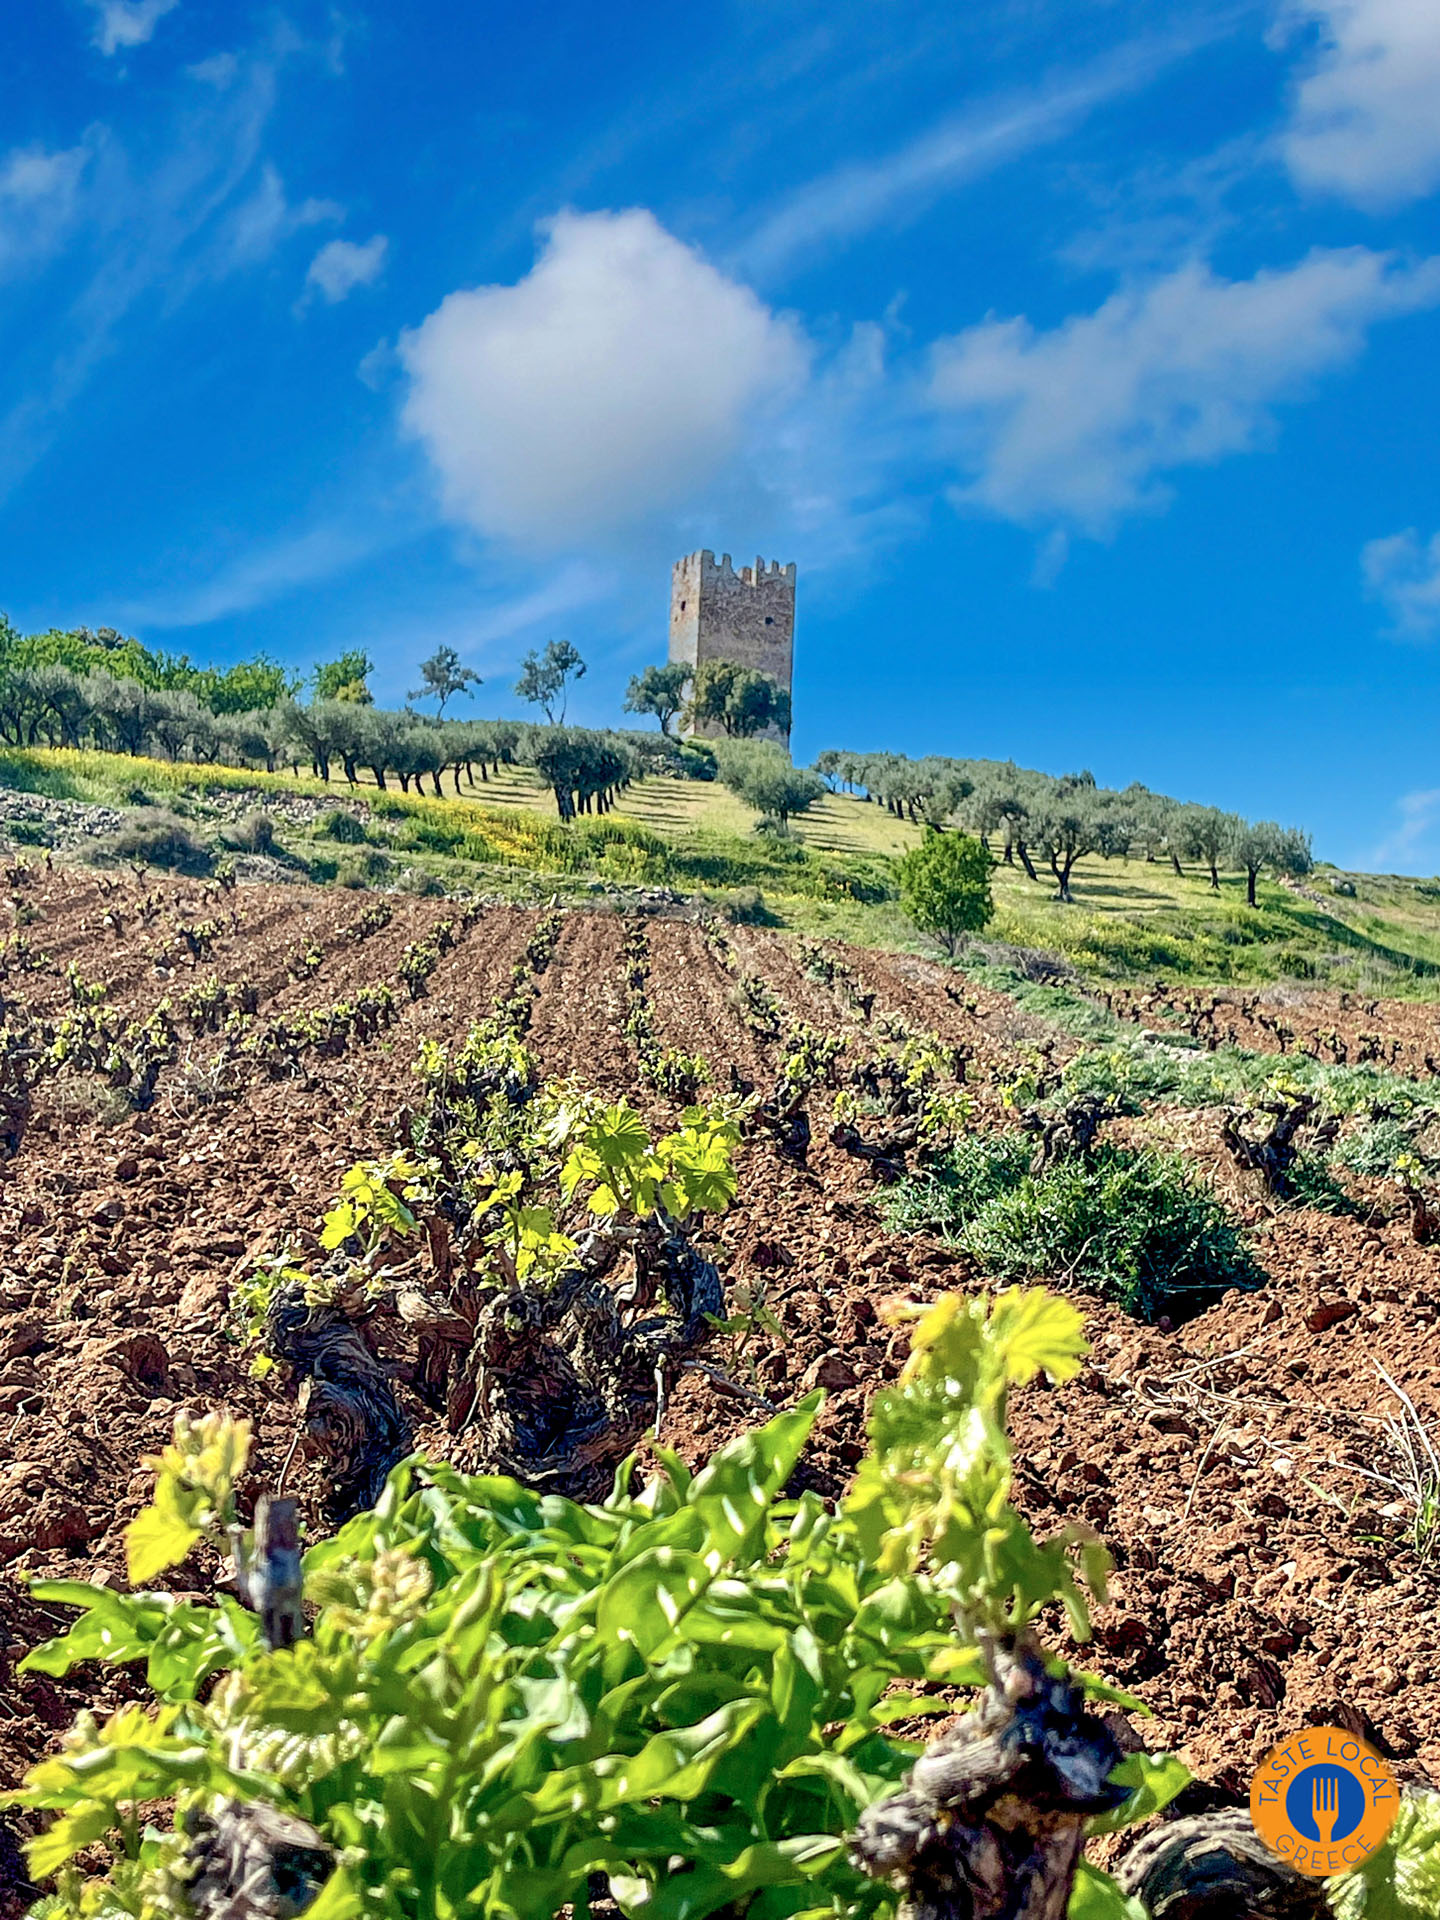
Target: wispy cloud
x: 1402, y: 572
x: 266, y: 219
x: 201, y: 207
x: 256, y: 578
x: 343, y: 265
x: 1419, y: 819
x: 127, y: 23
x: 899, y: 186
x: 39, y: 192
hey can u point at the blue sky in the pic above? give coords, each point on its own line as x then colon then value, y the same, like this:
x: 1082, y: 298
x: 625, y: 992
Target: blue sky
x: 1085, y: 355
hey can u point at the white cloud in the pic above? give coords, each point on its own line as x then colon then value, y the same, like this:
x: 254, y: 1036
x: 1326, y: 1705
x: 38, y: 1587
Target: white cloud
x: 38, y: 192
x: 1403, y: 573
x: 1076, y: 425
x: 127, y: 23
x: 1366, y: 119
x: 342, y: 265
x: 616, y: 380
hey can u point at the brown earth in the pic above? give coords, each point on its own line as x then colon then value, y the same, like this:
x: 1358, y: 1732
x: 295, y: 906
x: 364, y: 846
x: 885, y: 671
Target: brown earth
x: 1260, y: 1586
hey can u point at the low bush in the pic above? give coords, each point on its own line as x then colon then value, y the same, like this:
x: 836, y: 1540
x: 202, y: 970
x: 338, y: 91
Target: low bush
x: 1136, y: 1227
x: 342, y: 825
x: 157, y: 838
x: 746, y: 907
x: 254, y: 832
x: 1373, y: 1150
x: 365, y: 868
x: 946, y: 1198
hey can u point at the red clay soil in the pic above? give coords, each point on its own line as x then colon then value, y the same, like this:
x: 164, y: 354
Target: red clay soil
x: 1260, y: 1583
x: 1337, y: 1028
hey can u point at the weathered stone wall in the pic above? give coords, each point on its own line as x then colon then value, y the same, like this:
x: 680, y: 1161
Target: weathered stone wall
x: 748, y: 617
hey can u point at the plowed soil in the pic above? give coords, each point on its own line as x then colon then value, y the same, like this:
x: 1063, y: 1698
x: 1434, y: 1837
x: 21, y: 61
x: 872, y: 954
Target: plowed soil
x: 1260, y: 1583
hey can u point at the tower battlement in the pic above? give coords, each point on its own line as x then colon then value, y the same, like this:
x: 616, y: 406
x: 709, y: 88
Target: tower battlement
x: 746, y: 617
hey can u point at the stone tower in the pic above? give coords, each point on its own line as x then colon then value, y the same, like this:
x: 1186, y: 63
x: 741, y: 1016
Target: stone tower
x: 747, y: 617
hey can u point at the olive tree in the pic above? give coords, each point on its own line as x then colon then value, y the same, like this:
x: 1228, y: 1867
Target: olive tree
x: 545, y: 679
x: 1262, y: 843
x: 739, y: 700
x: 442, y: 678
x: 659, y: 691
x: 760, y: 773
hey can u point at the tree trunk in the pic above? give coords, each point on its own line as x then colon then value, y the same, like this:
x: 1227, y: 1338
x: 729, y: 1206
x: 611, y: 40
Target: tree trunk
x: 379, y: 773
x: 1214, y: 875
x: 435, y: 781
x: 1026, y: 861
x: 1175, y: 863
x: 1250, y: 886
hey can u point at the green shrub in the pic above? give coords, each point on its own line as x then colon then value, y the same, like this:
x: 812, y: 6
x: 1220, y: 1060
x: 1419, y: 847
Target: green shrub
x: 1313, y: 1185
x: 1373, y: 1150
x: 253, y: 833
x: 342, y: 825
x: 745, y: 907
x: 31, y: 833
x: 947, y: 1197
x: 435, y: 836
x: 945, y: 886
x: 1135, y: 1227
x: 363, y: 868
x: 157, y: 838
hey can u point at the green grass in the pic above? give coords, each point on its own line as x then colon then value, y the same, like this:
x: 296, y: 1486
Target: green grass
x: 1129, y: 919
x: 465, y: 842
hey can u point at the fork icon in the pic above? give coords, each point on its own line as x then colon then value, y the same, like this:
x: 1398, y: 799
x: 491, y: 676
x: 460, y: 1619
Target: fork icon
x: 1325, y: 1806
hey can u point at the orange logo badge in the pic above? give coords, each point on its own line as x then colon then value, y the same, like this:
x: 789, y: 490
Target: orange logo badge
x: 1324, y: 1800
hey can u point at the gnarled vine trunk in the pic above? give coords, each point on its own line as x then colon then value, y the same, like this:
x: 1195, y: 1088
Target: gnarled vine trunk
x: 991, y: 1822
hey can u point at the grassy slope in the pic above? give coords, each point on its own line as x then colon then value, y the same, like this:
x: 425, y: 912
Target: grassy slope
x: 1128, y: 917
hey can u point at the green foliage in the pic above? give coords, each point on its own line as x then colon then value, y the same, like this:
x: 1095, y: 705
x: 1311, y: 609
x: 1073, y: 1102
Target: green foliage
x: 739, y: 700
x: 659, y: 691
x: 689, y: 1689
x: 1136, y: 1227
x: 443, y: 677
x: 1374, y: 1150
x: 1401, y: 1879
x: 342, y: 825
x: 195, y: 1480
x: 759, y: 773
x: 345, y: 679
x: 944, y: 1199
x: 545, y: 678
x: 609, y: 1151
x: 945, y: 886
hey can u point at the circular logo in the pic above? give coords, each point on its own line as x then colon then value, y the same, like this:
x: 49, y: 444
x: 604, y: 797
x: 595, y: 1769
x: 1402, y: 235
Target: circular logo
x: 1324, y: 1800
